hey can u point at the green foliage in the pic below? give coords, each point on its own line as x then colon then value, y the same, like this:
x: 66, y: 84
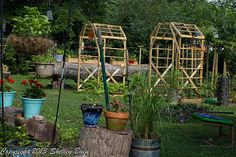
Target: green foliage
x: 176, y: 112
x: 19, y: 134
x: 174, y: 79
x: 17, y: 63
x: 113, y: 88
x: 207, y: 90
x: 43, y: 58
x: 31, y: 23
x: 146, y: 104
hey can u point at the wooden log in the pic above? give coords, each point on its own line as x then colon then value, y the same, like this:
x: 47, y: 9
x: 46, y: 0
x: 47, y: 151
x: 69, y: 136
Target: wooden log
x: 100, y: 142
x: 10, y: 115
x: 71, y: 70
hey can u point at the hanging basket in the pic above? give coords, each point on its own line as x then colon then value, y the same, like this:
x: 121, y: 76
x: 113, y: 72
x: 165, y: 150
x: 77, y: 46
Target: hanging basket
x: 30, y: 45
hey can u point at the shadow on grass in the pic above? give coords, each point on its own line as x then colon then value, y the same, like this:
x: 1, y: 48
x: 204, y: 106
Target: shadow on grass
x: 177, y: 140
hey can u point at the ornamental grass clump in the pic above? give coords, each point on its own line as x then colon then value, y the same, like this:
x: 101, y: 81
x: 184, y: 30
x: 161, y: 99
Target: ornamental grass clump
x: 7, y: 85
x: 32, y: 89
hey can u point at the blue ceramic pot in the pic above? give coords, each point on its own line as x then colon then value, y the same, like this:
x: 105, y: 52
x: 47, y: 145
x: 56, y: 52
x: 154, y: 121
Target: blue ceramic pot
x: 8, y: 98
x: 91, y: 114
x: 19, y: 151
x: 31, y: 107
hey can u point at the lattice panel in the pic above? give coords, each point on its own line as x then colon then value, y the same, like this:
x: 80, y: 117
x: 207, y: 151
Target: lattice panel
x: 114, y: 50
x: 179, y: 46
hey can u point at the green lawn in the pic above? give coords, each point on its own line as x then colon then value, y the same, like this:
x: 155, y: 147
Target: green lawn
x: 176, y: 138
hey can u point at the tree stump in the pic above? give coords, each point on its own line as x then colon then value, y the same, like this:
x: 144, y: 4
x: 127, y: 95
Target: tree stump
x: 223, y: 91
x: 101, y: 142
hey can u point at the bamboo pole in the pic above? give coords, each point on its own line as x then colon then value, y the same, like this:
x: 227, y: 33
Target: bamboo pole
x: 125, y: 61
x: 216, y: 72
x: 150, y: 62
x: 140, y: 59
x: 207, y: 62
x: 225, y: 69
x: 192, y: 58
x: 201, y: 62
x: 213, y: 67
x: 157, y: 55
x: 79, y: 62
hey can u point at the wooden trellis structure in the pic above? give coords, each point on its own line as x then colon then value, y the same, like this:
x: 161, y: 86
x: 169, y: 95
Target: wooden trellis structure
x: 114, y: 49
x: 177, y: 46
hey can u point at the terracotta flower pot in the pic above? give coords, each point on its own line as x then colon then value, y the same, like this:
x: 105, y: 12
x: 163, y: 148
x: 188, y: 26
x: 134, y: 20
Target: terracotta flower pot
x: 116, y: 120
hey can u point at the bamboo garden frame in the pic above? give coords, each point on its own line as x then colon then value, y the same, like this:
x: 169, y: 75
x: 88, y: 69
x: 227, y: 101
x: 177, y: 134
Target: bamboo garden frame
x: 114, y: 41
x: 177, y: 46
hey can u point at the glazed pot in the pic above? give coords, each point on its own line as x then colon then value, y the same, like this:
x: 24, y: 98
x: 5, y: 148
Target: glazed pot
x: 91, y: 114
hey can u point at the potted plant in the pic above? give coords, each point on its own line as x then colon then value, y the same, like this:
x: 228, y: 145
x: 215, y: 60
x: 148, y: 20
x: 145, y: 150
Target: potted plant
x: 146, y: 102
x: 44, y: 64
x: 91, y: 113
x: 133, y: 60
x: 30, y: 31
x: 32, y: 98
x: 117, y: 117
x: 8, y: 92
x: 19, y: 143
x: 59, y: 55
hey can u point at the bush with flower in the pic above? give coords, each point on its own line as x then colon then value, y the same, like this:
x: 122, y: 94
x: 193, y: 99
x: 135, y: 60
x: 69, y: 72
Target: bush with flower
x: 33, y: 89
x: 7, y: 85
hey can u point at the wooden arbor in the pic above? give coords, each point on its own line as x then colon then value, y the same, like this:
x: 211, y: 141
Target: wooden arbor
x: 114, y: 49
x: 177, y: 46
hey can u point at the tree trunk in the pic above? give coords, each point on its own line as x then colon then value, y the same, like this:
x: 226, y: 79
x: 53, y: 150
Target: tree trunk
x: 222, y: 92
x: 100, y: 142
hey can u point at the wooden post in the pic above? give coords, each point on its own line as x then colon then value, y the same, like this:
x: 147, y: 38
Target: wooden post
x: 150, y: 61
x: 140, y: 59
x: 79, y: 62
x: 100, y: 142
x: 225, y: 69
x: 213, y: 67
x: 207, y: 62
